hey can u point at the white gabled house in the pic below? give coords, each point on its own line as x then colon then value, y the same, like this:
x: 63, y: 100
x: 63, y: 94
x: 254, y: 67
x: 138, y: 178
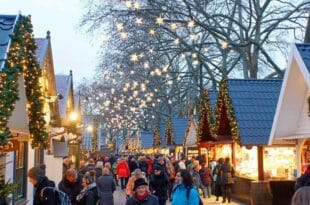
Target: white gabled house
x: 291, y: 124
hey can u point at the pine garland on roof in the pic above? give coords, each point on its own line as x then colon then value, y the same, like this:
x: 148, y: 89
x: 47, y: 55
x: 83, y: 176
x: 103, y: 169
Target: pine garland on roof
x: 225, y: 100
x: 21, y: 59
x: 206, y: 121
x: 169, y: 135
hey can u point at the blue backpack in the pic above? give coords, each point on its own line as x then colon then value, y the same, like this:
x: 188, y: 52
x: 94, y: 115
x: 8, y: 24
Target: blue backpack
x: 51, y: 194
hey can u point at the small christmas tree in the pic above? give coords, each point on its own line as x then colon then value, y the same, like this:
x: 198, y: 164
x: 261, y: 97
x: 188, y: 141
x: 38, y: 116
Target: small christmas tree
x: 169, y: 135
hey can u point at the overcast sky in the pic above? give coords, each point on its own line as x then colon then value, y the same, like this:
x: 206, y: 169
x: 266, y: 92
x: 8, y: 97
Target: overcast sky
x: 71, y: 48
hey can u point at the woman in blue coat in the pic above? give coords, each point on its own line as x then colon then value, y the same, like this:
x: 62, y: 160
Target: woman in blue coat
x: 184, y: 192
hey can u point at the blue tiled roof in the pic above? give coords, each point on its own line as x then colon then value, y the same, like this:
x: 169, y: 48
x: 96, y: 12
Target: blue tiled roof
x: 254, y: 103
x: 179, y: 126
x: 42, y: 46
x: 304, y: 50
x: 212, y: 97
x: 7, y: 23
x: 63, y: 85
x: 147, y: 139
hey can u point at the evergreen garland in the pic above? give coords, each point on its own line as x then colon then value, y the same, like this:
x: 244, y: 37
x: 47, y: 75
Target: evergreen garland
x: 224, y: 99
x: 21, y: 59
x: 156, y: 137
x: 169, y: 135
x: 206, y: 121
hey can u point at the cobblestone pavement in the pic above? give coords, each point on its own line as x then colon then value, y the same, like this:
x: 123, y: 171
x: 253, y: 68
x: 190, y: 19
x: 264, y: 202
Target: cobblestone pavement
x: 120, y: 199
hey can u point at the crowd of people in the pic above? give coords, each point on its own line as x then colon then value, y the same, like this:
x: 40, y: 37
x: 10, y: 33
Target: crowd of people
x: 145, y: 179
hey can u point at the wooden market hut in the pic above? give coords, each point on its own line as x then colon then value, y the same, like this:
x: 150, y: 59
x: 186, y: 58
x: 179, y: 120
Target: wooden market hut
x: 147, y: 142
x: 205, y: 128
x: 172, y: 134
x: 291, y: 122
x: 243, y: 119
x: 190, y: 143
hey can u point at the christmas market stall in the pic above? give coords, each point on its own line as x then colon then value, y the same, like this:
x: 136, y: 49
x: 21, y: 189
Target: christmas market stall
x: 243, y: 117
x: 22, y: 117
x: 190, y: 140
x: 291, y: 123
x: 172, y: 135
x: 205, y: 129
x: 147, y: 142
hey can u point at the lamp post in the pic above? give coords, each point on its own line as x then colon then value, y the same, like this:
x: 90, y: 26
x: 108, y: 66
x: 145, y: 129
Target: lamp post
x: 74, y: 144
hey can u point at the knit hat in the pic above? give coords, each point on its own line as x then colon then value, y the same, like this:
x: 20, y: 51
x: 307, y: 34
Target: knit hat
x: 139, y: 182
x: 157, y: 167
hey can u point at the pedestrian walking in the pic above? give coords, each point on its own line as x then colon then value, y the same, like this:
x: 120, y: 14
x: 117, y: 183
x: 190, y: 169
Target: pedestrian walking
x: 98, y: 168
x: 133, y: 165
x: 123, y: 172
x: 143, y: 165
x: 106, y: 187
x: 196, y: 176
x: 206, y: 179
x: 38, y: 179
x: 227, y: 174
x: 89, y: 193
x: 71, y: 185
x: 142, y: 196
x: 159, y: 182
x: 137, y: 174
x: 217, y: 178
x: 184, y: 192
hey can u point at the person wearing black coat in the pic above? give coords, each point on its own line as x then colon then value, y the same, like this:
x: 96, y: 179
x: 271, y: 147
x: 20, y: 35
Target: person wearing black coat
x: 133, y: 165
x: 89, y: 193
x: 159, y: 182
x: 143, y: 165
x: 40, y: 181
x: 71, y: 185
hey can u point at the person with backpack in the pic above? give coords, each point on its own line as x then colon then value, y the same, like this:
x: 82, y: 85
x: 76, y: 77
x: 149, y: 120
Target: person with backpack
x: 89, y: 193
x: 71, y: 185
x: 38, y: 179
x: 184, y: 192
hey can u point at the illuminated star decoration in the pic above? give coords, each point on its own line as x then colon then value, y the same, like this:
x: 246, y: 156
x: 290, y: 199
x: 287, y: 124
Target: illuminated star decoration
x: 159, y: 21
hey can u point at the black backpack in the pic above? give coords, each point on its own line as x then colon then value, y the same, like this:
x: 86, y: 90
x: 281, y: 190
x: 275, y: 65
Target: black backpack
x: 188, y: 191
x: 51, y: 195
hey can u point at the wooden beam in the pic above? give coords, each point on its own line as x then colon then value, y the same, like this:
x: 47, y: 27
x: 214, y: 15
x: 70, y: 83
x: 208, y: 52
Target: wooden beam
x: 260, y: 159
x: 233, y: 154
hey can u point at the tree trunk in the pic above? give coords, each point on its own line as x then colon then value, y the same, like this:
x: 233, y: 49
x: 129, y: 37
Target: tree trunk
x: 307, y: 35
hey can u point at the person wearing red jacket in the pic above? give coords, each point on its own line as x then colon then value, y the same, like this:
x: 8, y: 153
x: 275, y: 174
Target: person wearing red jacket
x: 123, y: 172
x: 149, y: 162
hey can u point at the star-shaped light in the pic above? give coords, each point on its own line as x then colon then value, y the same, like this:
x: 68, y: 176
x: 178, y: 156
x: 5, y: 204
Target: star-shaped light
x: 191, y: 24
x: 124, y: 35
x: 174, y: 26
x: 194, y: 55
x: 177, y: 41
x: 224, y: 45
x: 104, y: 38
x: 151, y: 50
x: 195, y: 62
x: 136, y: 5
x: 146, y: 65
x: 119, y: 26
x: 206, y: 49
x: 159, y: 21
x: 152, y: 32
x: 139, y: 21
x: 192, y: 37
x: 134, y: 57
x: 128, y: 4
